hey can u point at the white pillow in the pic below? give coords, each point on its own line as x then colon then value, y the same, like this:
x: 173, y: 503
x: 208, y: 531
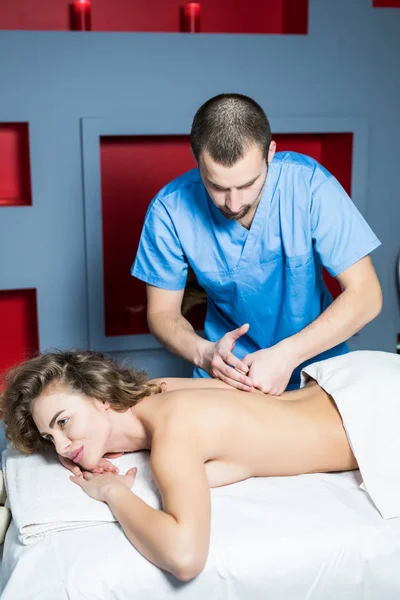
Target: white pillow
x: 366, y: 388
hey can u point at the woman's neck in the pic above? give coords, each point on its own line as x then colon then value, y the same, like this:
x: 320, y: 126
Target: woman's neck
x: 129, y: 432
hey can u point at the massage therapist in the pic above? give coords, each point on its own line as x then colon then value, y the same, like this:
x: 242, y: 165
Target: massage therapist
x: 256, y: 228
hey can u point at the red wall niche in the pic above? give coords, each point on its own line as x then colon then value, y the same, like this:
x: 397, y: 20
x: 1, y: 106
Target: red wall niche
x: 386, y: 3
x: 217, y: 16
x: 15, y: 178
x: 133, y: 170
x: 18, y: 326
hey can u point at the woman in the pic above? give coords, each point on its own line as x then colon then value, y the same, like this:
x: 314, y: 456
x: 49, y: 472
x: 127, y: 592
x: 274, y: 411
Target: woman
x: 202, y: 433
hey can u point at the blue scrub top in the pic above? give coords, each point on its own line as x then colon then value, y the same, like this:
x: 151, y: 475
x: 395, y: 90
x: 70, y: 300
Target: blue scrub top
x: 270, y: 275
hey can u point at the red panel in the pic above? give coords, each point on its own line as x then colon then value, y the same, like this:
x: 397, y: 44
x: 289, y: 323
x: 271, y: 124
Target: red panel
x: 18, y: 326
x: 15, y: 180
x: 332, y: 150
x: 133, y: 170
x: 335, y: 152
x: 295, y: 16
x: 386, y: 3
x: 219, y: 16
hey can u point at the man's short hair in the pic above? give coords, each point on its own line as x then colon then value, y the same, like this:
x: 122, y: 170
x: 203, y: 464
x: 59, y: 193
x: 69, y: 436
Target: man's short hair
x: 227, y: 125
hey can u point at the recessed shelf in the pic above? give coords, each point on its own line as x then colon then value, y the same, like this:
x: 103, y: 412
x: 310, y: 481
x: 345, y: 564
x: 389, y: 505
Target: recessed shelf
x: 217, y: 16
x: 335, y: 152
x: 15, y: 179
x: 18, y: 326
x: 386, y: 3
x: 133, y: 170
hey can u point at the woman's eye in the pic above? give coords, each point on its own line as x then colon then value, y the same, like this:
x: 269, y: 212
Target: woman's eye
x: 62, y: 422
x: 48, y: 438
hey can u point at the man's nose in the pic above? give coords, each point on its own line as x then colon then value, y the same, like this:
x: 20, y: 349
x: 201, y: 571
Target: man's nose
x: 232, y: 200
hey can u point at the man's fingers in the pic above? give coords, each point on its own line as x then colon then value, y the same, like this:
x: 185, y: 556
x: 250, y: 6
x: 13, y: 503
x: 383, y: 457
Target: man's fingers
x: 233, y: 361
x: 235, y: 384
x: 237, y: 333
x: 234, y: 375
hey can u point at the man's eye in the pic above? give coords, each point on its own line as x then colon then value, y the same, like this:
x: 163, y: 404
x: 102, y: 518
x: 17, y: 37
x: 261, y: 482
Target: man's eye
x: 62, y: 422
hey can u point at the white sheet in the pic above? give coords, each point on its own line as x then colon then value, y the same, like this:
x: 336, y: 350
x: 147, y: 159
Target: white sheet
x: 312, y: 537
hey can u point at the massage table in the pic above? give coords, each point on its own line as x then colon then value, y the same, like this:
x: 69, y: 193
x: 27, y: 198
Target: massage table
x: 322, y: 536
x: 308, y: 537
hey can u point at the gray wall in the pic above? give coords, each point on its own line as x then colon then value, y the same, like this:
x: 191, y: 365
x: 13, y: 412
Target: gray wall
x: 348, y: 66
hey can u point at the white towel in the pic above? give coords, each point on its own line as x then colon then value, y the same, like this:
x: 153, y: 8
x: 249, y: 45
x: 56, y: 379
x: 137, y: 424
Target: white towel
x: 42, y: 497
x: 366, y: 388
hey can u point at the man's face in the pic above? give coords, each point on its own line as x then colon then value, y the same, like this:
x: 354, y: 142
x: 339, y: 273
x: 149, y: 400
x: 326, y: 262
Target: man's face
x: 236, y: 190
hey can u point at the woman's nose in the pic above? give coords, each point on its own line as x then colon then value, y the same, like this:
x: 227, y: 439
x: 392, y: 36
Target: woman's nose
x: 62, y: 444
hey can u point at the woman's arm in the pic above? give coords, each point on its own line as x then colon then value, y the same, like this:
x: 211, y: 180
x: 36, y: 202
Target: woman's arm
x: 176, y: 538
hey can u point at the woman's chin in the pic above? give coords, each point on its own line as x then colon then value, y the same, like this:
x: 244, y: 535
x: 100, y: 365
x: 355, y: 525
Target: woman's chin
x: 88, y: 465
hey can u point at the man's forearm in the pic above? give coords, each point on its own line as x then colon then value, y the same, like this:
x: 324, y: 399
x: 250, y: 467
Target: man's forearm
x: 177, y: 335
x: 156, y: 534
x: 347, y: 314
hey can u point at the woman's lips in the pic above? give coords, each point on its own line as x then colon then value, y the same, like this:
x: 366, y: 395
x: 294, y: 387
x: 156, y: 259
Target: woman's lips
x: 77, y: 456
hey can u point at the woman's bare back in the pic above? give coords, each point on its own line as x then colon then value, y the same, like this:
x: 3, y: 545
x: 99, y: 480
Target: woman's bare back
x: 244, y: 435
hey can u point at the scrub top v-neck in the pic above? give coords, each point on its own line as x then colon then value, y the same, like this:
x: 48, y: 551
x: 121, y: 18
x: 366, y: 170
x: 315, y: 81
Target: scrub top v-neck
x: 269, y: 276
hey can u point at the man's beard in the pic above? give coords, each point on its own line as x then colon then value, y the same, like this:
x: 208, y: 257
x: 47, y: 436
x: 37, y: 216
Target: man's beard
x: 236, y: 216
x: 245, y: 209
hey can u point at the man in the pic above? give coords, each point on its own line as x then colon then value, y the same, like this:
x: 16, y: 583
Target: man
x: 256, y: 227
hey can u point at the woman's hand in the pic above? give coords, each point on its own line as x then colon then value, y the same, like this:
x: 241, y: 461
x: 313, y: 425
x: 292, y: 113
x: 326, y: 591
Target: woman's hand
x: 96, y: 486
x: 103, y: 465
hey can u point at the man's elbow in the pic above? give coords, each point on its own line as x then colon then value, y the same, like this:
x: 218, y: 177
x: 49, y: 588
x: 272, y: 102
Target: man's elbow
x: 376, y: 302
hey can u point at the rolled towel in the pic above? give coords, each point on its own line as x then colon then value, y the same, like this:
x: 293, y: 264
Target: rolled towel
x: 5, y: 518
x: 2, y: 490
x: 42, y: 498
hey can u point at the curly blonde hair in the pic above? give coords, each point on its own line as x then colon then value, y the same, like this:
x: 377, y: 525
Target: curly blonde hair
x: 91, y: 373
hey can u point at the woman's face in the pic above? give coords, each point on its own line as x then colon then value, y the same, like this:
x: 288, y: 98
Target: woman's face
x: 77, y: 425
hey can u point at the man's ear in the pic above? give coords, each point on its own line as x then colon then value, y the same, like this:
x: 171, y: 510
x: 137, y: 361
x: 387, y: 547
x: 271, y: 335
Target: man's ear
x: 271, y: 151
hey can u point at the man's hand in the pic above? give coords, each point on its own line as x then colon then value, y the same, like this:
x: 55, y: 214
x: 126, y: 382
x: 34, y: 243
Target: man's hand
x: 221, y: 363
x: 104, y: 465
x: 270, y: 370
x: 96, y: 486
